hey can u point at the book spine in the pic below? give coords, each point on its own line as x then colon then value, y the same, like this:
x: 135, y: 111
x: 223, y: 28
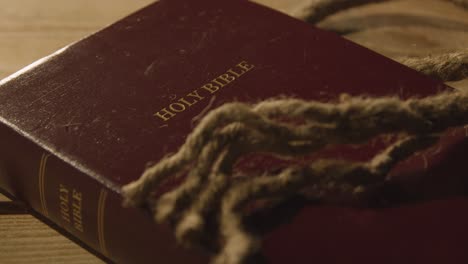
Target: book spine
x: 82, y: 208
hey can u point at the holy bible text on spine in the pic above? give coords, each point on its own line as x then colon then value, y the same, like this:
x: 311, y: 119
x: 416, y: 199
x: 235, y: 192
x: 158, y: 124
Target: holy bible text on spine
x: 79, y: 124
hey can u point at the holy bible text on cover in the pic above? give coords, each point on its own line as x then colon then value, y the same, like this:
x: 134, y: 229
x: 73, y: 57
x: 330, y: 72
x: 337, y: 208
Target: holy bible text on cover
x: 79, y: 124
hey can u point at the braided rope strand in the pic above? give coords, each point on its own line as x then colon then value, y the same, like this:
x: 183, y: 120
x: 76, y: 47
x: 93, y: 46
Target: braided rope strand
x: 212, y: 195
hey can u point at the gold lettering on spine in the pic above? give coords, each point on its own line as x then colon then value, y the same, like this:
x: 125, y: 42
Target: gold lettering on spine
x: 100, y: 221
x: 71, y: 209
x: 41, y: 185
x: 64, y: 199
x: 204, y: 91
x: 77, y: 210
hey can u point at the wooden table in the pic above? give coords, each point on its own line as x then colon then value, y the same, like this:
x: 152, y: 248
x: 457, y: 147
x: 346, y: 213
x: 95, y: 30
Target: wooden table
x: 31, y: 29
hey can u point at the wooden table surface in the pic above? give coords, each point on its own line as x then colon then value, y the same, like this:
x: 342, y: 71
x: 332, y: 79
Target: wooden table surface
x: 31, y: 29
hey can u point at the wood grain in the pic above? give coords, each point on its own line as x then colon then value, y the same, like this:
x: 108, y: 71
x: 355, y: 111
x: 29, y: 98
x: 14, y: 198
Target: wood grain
x: 31, y: 29
x: 26, y: 240
x: 406, y: 28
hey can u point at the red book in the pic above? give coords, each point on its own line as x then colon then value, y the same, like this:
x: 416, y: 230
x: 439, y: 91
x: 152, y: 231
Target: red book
x: 78, y: 125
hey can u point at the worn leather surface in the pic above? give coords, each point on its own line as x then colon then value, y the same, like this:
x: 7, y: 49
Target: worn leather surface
x: 428, y: 211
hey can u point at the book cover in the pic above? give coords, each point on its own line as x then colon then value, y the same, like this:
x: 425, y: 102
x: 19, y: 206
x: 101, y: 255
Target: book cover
x: 81, y: 123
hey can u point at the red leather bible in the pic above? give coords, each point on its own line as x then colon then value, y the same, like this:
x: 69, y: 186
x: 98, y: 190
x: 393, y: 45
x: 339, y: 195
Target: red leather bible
x: 79, y: 124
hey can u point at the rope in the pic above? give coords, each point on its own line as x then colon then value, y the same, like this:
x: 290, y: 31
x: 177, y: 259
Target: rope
x: 314, y: 11
x: 214, y: 194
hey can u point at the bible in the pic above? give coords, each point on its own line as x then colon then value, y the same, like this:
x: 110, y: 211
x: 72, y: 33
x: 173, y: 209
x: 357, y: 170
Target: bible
x: 79, y: 124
